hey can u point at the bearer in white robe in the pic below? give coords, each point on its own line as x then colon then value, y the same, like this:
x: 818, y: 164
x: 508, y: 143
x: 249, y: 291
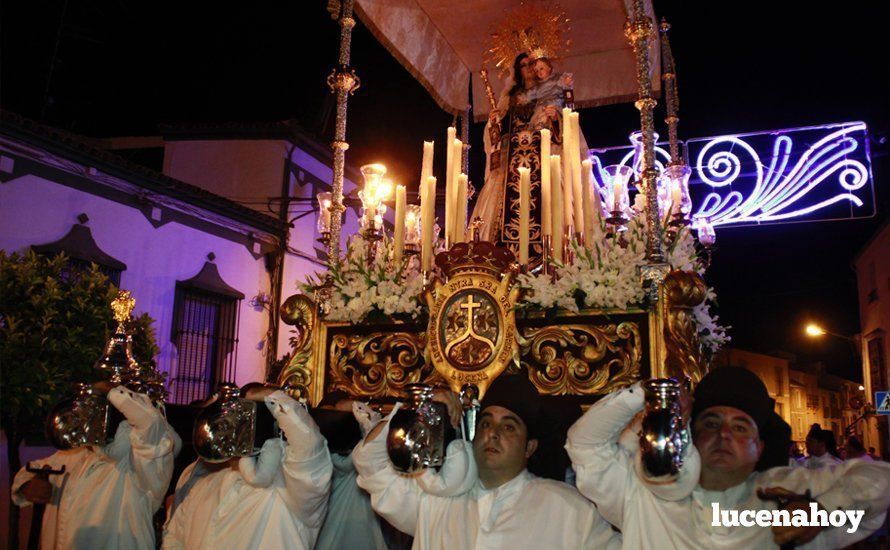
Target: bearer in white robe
x: 818, y: 455
x: 504, y: 506
x: 350, y: 521
x: 278, y: 500
x: 734, y: 429
x: 107, y: 496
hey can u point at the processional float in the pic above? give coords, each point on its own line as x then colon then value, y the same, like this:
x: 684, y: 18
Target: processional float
x: 393, y: 313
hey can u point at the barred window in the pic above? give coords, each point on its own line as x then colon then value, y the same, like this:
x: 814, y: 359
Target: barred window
x: 205, y: 332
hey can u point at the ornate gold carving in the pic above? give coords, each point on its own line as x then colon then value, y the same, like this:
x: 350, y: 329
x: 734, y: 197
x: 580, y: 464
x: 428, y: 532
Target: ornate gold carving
x: 122, y: 306
x: 683, y: 290
x: 378, y: 364
x: 582, y: 359
x: 300, y: 312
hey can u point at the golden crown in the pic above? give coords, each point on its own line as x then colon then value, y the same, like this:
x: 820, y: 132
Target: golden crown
x: 476, y: 257
x: 538, y: 29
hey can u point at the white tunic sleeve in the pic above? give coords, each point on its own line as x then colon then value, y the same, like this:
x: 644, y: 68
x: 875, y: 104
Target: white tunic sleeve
x: 307, y: 463
x: 151, y: 443
x: 851, y: 485
x: 394, y: 497
x: 604, y: 473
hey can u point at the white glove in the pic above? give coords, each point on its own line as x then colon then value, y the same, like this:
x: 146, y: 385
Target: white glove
x: 136, y: 407
x: 292, y: 417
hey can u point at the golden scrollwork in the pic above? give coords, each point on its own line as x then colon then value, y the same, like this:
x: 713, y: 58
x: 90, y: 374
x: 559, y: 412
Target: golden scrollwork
x: 378, y: 364
x: 683, y: 290
x: 300, y: 312
x: 579, y: 359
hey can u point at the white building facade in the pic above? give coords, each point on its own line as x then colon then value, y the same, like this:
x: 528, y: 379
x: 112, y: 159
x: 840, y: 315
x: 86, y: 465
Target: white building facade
x: 210, y: 270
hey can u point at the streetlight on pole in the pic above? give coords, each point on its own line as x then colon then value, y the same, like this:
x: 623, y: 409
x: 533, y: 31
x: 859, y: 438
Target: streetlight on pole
x: 815, y: 331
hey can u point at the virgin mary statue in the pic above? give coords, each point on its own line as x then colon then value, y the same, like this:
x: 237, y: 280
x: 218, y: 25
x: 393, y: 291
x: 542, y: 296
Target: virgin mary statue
x: 531, y: 100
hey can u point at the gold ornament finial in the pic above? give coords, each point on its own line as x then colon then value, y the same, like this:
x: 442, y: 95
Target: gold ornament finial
x: 123, y: 306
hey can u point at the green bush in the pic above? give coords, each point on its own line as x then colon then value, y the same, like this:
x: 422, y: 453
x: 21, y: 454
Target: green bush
x: 54, y: 324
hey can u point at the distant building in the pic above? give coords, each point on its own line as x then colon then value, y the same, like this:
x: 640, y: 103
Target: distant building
x: 209, y: 247
x: 872, y: 266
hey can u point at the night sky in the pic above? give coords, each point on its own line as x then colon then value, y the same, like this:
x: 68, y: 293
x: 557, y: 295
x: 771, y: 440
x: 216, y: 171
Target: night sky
x: 123, y: 67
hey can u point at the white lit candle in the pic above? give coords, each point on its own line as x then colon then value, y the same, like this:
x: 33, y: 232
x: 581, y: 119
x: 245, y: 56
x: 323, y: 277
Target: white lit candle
x: 617, y: 191
x: 676, y: 198
x: 460, y: 224
x: 574, y: 153
x: 449, y: 177
x: 586, y: 193
x: 545, y: 183
x: 524, y: 197
x: 566, y: 169
x: 426, y: 166
x: 558, y: 211
x: 456, y: 153
x: 427, y: 219
x: 398, y: 237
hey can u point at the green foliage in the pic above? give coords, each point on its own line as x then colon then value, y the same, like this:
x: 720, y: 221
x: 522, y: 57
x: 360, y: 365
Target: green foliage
x: 53, y: 328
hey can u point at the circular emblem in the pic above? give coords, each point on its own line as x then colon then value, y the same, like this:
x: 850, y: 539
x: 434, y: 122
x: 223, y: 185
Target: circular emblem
x: 471, y: 336
x: 470, y: 331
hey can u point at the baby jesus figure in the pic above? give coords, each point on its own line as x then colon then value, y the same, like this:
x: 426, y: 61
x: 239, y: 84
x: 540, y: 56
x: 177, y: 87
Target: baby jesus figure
x: 549, y: 93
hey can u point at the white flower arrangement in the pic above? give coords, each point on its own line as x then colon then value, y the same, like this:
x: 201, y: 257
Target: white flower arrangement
x: 602, y: 276
x: 362, y: 287
x: 606, y: 276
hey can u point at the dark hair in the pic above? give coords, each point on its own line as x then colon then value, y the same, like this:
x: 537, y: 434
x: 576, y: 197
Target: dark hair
x: 854, y: 444
x: 332, y: 398
x: 518, y: 79
x: 827, y: 437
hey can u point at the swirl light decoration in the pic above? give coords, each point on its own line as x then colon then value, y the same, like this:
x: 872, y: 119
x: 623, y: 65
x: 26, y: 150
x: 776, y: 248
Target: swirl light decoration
x: 782, y: 189
x: 797, y: 174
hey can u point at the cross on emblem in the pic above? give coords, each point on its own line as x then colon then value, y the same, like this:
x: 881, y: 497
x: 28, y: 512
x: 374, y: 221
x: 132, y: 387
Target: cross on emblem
x: 470, y: 305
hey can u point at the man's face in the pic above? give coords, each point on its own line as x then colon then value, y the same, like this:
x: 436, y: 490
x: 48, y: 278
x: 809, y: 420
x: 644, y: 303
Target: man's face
x: 542, y: 69
x: 727, y: 440
x: 501, y: 442
x: 527, y: 67
x: 815, y: 447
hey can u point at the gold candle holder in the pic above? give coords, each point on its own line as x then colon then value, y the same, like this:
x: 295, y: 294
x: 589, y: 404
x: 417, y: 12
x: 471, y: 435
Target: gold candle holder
x: 568, y: 252
x: 546, y: 253
x: 372, y: 236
